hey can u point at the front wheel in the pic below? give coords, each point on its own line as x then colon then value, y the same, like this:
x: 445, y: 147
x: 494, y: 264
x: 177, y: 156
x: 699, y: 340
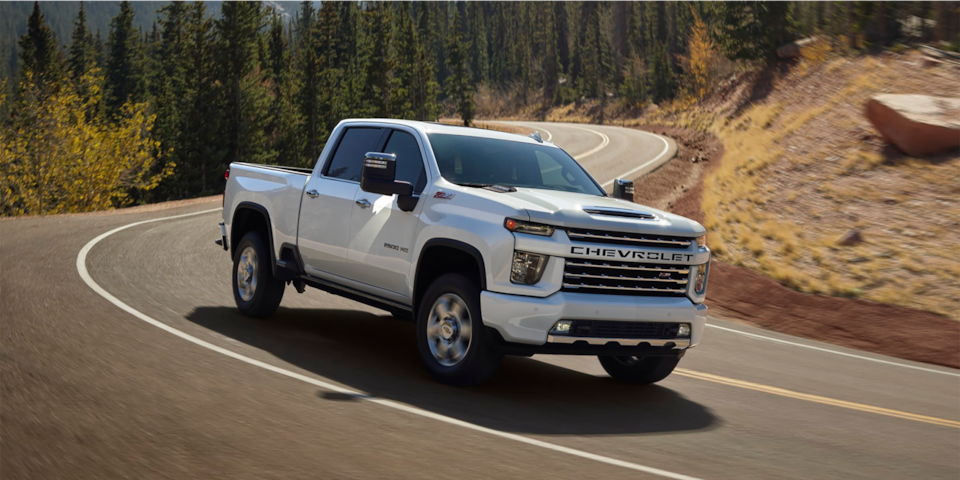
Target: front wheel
x: 256, y: 291
x: 450, y: 333
x: 642, y: 370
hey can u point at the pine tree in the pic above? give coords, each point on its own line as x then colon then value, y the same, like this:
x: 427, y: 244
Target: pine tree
x: 458, y: 82
x: 168, y: 85
x: 238, y: 72
x: 477, y: 31
x: 329, y: 99
x: 202, y: 150
x: 83, y: 55
x: 124, y: 75
x: 281, y: 126
x: 378, y: 64
x: 404, y: 58
x: 308, y: 77
x: 752, y: 30
x: 40, y: 56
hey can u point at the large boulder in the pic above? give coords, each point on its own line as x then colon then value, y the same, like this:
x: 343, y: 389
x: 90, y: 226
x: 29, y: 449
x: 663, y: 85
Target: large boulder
x: 917, y: 124
x: 794, y: 49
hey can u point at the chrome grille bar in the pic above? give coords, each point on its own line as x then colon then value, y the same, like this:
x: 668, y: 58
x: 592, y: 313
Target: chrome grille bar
x: 627, y: 266
x: 621, y: 277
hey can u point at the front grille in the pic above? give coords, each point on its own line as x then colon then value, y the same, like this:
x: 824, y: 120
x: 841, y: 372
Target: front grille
x: 632, y: 239
x: 614, y: 329
x: 625, y: 278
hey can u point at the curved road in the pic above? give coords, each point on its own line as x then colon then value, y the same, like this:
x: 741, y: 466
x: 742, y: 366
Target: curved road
x: 137, y: 365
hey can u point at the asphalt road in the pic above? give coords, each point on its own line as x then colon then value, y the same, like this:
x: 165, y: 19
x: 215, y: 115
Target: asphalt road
x: 141, y: 368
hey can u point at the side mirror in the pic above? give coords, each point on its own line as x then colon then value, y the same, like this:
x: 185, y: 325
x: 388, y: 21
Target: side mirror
x: 379, y: 175
x: 623, y: 189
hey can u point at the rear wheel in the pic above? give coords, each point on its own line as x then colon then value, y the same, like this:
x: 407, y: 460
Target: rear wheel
x: 642, y: 370
x: 256, y: 291
x: 450, y: 333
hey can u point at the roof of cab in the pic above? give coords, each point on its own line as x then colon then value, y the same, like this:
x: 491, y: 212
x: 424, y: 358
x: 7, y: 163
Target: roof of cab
x: 432, y: 127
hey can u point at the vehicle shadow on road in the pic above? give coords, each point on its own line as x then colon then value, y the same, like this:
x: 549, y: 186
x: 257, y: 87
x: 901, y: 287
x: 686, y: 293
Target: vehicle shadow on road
x: 378, y: 356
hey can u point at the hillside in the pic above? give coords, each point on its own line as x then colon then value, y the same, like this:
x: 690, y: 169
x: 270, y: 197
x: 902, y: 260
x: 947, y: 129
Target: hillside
x: 61, y: 15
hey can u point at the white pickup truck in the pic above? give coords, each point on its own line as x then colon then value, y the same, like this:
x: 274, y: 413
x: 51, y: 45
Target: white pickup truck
x: 493, y: 243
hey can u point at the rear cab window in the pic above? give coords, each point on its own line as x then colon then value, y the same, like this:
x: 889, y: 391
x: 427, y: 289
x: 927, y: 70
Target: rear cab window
x: 353, y: 146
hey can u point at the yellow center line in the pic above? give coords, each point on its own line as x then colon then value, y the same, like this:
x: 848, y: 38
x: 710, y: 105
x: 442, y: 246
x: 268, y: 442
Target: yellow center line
x: 816, y: 398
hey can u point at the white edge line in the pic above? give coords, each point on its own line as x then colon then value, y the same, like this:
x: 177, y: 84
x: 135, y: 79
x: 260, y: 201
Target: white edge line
x: 604, y: 141
x: 861, y: 357
x: 666, y: 147
x: 85, y: 275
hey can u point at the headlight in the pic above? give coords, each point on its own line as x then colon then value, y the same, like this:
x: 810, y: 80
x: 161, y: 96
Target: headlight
x: 527, y: 267
x: 702, y: 241
x: 700, y: 283
x: 520, y: 226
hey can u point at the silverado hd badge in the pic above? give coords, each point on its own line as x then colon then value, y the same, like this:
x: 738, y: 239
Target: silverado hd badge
x: 616, y: 253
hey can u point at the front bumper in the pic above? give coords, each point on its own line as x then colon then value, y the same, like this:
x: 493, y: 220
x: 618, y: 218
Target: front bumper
x: 528, y: 320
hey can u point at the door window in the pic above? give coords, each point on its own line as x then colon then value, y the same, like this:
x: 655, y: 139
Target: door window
x: 409, y: 162
x: 354, y: 145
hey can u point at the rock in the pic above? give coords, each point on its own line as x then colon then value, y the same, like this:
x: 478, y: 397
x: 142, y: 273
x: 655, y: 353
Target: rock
x: 917, y: 124
x: 927, y: 62
x: 853, y: 237
x: 793, y: 49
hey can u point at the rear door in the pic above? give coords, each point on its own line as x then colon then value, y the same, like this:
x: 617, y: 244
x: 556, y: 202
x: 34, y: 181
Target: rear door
x: 328, y: 203
x: 382, y: 235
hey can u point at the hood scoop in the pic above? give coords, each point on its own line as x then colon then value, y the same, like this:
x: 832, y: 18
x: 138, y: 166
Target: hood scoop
x: 619, y: 212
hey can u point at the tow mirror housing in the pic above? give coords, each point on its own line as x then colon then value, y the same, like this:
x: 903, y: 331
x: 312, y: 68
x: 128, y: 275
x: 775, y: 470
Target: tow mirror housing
x: 623, y: 188
x: 379, y: 175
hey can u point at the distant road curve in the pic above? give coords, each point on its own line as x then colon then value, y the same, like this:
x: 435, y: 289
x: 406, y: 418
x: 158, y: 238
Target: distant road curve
x: 607, y: 152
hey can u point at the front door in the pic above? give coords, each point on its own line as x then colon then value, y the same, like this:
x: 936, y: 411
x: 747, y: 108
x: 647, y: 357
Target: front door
x: 328, y: 203
x: 382, y: 235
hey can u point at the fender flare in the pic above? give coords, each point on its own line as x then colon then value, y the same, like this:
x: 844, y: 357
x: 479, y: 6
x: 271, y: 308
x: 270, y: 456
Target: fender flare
x: 456, y: 245
x: 266, y: 216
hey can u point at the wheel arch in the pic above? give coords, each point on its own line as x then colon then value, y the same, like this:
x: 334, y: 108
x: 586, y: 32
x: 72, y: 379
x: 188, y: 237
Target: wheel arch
x: 247, y: 217
x: 444, y: 255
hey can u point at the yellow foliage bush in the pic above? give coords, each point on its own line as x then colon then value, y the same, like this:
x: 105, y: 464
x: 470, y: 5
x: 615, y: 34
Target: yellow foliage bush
x: 59, y: 155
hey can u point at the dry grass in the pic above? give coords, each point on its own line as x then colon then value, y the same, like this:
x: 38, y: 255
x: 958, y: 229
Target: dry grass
x: 804, y: 166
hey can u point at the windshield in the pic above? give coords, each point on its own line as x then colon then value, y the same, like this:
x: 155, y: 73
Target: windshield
x: 476, y: 161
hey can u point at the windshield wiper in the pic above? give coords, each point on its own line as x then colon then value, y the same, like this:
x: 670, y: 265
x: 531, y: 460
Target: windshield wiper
x: 489, y: 186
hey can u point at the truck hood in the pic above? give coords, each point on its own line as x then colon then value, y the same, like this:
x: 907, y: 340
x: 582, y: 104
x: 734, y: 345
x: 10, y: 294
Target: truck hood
x: 578, y: 210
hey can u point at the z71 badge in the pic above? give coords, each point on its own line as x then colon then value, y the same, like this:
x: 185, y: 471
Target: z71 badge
x: 443, y: 195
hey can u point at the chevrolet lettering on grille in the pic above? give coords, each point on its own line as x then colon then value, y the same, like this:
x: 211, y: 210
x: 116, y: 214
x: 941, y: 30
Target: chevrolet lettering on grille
x: 617, y: 253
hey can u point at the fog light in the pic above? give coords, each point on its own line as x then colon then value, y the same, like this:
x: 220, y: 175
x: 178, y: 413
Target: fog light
x: 527, y: 267
x: 563, y: 326
x: 684, y: 330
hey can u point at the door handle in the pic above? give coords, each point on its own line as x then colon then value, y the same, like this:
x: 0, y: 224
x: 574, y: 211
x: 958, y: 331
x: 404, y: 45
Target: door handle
x: 364, y: 203
x: 313, y: 193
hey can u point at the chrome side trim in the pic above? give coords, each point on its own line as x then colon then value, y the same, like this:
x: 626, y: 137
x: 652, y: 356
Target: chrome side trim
x: 678, y: 343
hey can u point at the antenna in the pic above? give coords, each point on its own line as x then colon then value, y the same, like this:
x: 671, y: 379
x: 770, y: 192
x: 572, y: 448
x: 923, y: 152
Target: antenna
x: 536, y: 136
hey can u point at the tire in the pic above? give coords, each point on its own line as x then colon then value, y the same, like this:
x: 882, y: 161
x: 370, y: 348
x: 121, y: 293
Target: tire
x: 640, y: 370
x: 449, y: 311
x: 255, y: 290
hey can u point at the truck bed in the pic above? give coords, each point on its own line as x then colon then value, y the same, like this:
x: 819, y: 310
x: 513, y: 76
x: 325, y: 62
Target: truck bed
x: 274, y: 188
x: 298, y: 170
